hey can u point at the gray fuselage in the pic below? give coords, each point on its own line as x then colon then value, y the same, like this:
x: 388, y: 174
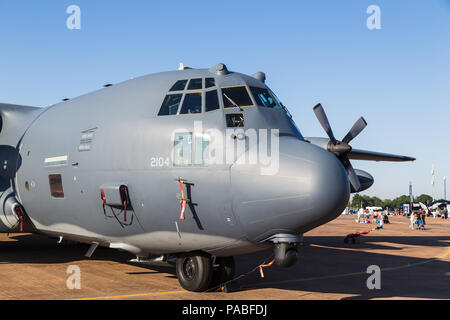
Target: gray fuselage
x: 116, y: 137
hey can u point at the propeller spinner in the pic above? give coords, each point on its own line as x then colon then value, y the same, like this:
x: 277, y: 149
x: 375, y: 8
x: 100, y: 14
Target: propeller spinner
x: 342, y: 148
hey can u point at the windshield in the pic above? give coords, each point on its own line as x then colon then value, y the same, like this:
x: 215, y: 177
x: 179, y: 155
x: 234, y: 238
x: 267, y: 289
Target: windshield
x: 264, y: 98
x: 280, y: 104
x: 236, y: 97
x: 292, y: 122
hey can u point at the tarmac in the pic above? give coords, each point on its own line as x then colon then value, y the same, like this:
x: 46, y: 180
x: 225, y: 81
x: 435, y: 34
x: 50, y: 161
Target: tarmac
x: 414, y: 264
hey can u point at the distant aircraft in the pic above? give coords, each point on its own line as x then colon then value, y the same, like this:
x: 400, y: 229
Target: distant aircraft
x: 442, y: 206
x: 424, y: 207
x: 127, y: 167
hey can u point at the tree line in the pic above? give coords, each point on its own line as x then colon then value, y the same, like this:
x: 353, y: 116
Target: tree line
x: 396, y: 203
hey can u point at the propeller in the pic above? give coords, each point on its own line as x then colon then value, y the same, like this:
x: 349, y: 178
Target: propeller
x: 342, y: 148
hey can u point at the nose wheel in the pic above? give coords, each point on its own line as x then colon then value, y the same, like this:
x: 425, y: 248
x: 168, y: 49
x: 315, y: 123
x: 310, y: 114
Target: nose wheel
x: 196, y: 272
x: 189, y: 269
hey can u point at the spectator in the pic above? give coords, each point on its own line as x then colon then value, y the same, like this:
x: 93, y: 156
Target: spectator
x: 412, y: 220
x: 381, y: 220
x: 386, y: 219
x: 360, y: 214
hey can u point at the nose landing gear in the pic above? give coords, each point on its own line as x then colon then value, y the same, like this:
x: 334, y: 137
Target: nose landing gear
x: 223, y: 271
x: 196, y: 271
x: 199, y: 272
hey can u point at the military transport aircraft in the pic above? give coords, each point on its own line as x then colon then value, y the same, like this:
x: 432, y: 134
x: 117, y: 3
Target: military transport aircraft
x: 127, y: 167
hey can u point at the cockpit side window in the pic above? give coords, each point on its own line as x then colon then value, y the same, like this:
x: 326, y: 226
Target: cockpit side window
x: 188, y: 147
x: 170, y: 105
x: 211, y: 101
x: 179, y: 85
x: 234, y: 97
x: 280, y: 104
x: 210, y: 82
x: 201, y: 149
x: 195, y: 84
x: 183, y: 149
x: 192, y: 103
x: 263, y: 98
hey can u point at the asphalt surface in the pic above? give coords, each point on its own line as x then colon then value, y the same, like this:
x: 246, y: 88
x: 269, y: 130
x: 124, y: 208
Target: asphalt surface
x: 414, y: 264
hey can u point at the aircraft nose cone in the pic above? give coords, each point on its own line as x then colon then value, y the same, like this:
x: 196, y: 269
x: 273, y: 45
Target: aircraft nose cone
x: 329, y: 188
x: 309, y: 188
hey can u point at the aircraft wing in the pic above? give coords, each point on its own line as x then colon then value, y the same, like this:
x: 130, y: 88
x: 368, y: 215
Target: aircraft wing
x: 356, y: 154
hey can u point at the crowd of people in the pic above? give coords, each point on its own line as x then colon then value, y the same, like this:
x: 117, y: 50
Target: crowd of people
x: 417, y: 218
x: 368, y: 216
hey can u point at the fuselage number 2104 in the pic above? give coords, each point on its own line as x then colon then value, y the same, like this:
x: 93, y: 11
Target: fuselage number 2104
x: 159, y: 162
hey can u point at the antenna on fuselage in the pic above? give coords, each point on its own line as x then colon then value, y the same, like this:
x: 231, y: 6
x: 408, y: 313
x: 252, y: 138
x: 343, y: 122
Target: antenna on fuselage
x: 183, y: 67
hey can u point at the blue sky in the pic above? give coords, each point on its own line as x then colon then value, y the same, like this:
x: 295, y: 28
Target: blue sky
x: 312, y: 51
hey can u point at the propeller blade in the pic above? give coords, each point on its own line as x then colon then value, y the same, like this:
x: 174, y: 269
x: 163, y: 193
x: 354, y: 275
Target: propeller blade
x: 359, y: 126
x: 356, y: 154
x: 323, y: 119
x: 354, y: 180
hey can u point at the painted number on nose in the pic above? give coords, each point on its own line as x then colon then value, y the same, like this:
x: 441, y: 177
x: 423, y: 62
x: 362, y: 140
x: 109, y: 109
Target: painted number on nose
x: 159, y: 162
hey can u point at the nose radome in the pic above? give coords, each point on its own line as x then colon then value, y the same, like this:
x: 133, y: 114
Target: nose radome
x: 309, y: 188
x: 330, y: 188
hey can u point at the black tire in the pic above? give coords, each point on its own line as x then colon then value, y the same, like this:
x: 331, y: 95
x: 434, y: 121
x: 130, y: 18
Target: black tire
x: 224, y: 272
x: 194, y: 272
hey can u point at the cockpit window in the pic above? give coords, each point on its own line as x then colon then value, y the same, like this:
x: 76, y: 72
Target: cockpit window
x: 210, y: 82
x: 192, y: 103
x: 179, y: 85
x: 195, y: 84
x: 211, y: 101
x: 182, y: 149
x: 263, y: 98
x: 280, y: 104
x: 170, y: 105
x: 234, y: 97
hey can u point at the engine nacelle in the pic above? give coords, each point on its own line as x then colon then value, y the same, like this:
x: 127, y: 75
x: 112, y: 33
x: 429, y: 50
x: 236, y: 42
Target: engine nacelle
x: 365, y: 179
